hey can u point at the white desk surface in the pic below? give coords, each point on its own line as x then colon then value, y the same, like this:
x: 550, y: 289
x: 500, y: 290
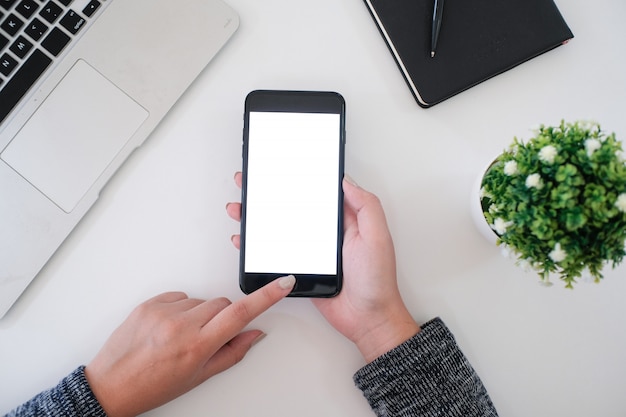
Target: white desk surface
x: 161, y: 225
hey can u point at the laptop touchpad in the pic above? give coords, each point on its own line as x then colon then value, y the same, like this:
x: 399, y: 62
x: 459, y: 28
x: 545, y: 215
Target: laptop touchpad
x: 74, y: 135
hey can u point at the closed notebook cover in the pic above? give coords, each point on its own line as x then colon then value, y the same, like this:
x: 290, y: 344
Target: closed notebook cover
x: 478, y: 39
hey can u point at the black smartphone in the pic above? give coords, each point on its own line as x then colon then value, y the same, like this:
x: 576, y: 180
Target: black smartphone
x: 292, y: 197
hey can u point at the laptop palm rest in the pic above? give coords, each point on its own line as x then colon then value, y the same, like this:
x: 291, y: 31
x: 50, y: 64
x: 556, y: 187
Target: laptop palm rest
x: 74, y: 135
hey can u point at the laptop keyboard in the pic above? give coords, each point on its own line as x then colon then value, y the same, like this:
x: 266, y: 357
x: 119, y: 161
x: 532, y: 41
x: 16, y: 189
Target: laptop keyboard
x: 33, y: 33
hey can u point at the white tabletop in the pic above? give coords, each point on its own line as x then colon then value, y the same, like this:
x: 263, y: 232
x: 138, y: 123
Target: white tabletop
x: 161, y: 225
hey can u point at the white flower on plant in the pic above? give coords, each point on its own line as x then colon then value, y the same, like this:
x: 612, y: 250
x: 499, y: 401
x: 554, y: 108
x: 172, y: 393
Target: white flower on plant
x: 525, y: 265
x: 621, y: 203
x: 547, y: 154
x: 510, y: 168
x: 506, y: 252
x: 591, y: 125
x: 485, y: 194
x: 558, y: 254
x: 534, y: 181
x: 500, y: 225
x: 493, y: 209
x: 592, y: 145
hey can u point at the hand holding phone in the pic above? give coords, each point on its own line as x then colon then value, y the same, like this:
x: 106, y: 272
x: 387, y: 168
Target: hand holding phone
x: 292, y: 200
x: 369, y: 311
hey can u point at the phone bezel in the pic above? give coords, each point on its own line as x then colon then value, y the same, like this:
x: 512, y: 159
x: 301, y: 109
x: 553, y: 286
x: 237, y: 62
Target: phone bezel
x: 307, y: 285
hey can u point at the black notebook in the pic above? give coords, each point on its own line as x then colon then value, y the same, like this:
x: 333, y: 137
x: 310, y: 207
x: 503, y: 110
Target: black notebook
x: 478, y: 39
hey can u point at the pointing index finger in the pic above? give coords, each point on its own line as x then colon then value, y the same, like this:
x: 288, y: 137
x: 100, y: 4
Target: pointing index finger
x: 234, y: 318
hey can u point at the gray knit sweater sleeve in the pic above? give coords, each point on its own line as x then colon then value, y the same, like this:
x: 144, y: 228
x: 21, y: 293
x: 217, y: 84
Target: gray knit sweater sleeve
x: 426, y: 376
x: 71, y: 398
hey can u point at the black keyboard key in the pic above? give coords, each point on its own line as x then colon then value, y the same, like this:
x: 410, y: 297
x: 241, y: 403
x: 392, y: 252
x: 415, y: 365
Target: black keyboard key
x: 36, y: 29
x: 21, y: 47
x: 7, y: 4
x: 12, y: 24
x: 7, y: 64
x: 21, y: 82
x: 72, y: 21
x: 65, y: 2
x: 55, y: 41
x: 91, y: 8
x: 51, y: 12
x: 27, y: 8
x: 3, y: 41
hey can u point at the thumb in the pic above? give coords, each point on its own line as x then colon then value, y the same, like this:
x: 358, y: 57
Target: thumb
x: 368, y: 210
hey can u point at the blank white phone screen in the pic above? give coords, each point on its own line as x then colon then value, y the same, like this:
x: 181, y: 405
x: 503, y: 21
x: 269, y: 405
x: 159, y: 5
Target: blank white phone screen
x: 292, y: 193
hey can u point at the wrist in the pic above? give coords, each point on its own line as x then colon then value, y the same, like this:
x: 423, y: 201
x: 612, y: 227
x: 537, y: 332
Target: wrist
x: 104, y: 395
x: 386, y: 335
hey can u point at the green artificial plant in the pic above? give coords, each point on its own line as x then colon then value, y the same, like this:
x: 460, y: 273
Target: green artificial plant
x: 558, y: 201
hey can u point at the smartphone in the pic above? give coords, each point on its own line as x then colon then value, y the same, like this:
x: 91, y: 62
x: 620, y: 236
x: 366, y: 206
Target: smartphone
x: 292, y: 197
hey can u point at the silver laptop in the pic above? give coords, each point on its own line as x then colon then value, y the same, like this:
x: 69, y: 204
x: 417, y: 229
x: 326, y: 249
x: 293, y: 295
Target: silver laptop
x: 82, y: 84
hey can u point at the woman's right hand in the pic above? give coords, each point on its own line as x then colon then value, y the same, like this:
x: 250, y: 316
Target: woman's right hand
x: 369, y: 310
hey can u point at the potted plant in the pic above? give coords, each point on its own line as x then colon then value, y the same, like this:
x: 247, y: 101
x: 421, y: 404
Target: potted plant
x: 558, y: 201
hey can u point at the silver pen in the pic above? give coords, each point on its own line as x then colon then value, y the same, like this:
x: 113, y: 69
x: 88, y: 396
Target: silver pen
x: 437, y: 17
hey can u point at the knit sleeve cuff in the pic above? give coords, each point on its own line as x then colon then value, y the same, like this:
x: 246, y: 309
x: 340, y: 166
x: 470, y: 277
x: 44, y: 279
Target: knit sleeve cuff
x: 70, y: 398
x: 416, y: 355
x: 79, y: 392
x: 427, y: 375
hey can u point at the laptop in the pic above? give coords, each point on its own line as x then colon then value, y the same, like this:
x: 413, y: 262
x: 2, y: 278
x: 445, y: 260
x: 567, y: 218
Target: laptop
x: 82, y: 84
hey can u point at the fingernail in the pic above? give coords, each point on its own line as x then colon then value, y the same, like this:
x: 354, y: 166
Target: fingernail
x: 287, y: 283
x: 350, y: 180
x: 258, y: 339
